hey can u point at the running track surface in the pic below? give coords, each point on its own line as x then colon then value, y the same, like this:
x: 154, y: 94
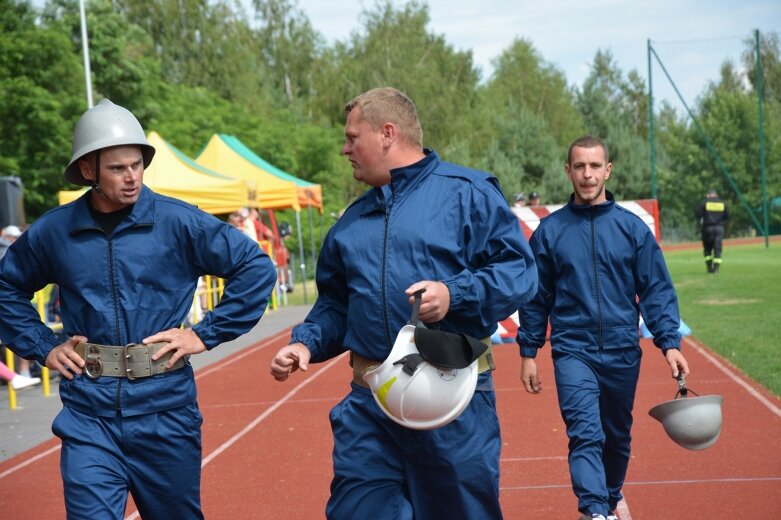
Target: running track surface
x: 267, y: 445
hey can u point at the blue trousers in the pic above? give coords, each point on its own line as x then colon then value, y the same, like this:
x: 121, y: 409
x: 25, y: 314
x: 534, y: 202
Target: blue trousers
x: 385, y: 471
x: 155, y: 456
x: 596, y: 390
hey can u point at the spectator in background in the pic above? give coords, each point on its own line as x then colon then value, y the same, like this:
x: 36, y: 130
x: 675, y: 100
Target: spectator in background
x: 712, y: 214
x: 534, y: 199
x: 8, y: 236
x: 520, y: 202
x: 239, y: 220
x: 262, y: 232
x: 17, y: 381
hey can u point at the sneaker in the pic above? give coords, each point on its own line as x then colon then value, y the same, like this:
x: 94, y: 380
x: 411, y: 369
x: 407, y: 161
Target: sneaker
x: 19, y: 381
x: 612, y: 517
x: 593, y: 516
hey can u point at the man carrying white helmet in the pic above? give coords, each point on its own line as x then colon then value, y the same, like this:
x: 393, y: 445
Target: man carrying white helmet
x: 424, y: 224
x: 127, y: 261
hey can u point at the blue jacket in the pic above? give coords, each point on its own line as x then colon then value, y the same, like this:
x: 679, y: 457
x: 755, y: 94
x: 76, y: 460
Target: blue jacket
x: 434, y: 221
x: 593, y: 264
x: 121, y: 288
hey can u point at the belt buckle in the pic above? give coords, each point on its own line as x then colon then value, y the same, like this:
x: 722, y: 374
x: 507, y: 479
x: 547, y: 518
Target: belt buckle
x: 93, y: 367
x: 126, y: 356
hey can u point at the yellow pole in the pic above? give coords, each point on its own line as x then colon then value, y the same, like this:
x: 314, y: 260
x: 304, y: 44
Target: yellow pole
x: 44, y: 371
x: 9, y: 361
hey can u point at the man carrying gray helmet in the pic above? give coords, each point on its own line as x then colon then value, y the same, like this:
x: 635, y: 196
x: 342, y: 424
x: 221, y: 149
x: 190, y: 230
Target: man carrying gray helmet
x: 599, y: 266
x: 127, y: 261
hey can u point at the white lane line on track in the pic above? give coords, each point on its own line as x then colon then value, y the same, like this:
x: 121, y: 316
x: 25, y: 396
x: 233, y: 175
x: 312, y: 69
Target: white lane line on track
x: 29, y: 461
x: 525, y: 459
x: 212, y: 368
x: 622, y: 510
x: 219, y: 365
x: 759, y: 397
x: 227, y: 444
x: 655, y: 483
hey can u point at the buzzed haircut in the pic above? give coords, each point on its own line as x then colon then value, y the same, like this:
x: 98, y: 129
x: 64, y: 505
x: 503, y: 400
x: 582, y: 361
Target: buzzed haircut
x: 587, y: 141
x: 388, y: 105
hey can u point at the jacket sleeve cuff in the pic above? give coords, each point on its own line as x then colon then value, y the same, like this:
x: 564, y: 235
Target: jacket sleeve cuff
x: 529, y: 352
x: 309, y: 342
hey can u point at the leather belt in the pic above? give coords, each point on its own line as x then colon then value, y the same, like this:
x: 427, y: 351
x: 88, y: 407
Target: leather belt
x: 132, y: 361
x: 361, y: 364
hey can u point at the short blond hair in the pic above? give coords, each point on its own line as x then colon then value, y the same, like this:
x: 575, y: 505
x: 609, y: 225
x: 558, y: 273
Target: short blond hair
x: 386, y: 104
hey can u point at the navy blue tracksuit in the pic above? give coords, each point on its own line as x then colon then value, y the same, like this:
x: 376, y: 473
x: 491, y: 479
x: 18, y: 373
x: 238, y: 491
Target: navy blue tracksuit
x: 594, y: 264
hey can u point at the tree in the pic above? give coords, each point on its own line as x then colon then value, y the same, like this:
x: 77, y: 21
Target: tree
x: 206, y: 44
x: 42, y: 93
x: 613, y: 109
x: 397, y: 50
x: 527, y: 118
x: 288, y: 45
x: 523, y: 79
x: 770, y: 54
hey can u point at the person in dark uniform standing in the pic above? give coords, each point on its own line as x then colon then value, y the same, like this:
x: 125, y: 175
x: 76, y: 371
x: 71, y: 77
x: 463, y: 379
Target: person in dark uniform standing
x: 712, y: 214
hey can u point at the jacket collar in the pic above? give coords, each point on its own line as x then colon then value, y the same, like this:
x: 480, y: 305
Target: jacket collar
x: 142, y: 213
x: 402, y: 180
x: 597, y: 208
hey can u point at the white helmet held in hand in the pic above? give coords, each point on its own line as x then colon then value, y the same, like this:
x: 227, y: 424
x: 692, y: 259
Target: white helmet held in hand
x: 692, y: 422
x: 415, y: 393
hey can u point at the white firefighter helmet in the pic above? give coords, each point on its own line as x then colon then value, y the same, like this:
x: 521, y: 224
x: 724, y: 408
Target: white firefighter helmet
x: 103, y: 126
x: 692, y: 422
x: 416, y: 393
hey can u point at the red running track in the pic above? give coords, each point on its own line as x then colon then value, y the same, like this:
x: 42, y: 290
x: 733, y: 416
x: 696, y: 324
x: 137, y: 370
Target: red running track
x: 267, y: 446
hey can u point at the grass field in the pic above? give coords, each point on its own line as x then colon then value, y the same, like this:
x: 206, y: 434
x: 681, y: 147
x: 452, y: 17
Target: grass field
x: 736, y: 312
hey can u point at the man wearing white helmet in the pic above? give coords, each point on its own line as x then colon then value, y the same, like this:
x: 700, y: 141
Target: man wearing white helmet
x: 424, y: 224
x: 127, y: 261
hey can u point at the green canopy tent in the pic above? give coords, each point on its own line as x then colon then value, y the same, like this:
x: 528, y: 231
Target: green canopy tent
x: 227, y: 154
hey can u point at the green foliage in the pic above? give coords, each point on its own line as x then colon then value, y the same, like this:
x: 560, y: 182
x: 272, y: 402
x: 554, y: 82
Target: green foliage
x: 40, y: 82
x: 615, y: 108
x: 259, y: 71
x: 735, y: 311
x: 523, y: 153
x: 522, y: 78
x: 397, y: 50
x: 527, y: 120
x: 289, y: 46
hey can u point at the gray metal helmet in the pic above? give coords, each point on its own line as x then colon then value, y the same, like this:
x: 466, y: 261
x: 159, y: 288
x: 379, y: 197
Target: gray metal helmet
x: 692, y: 422
x: 103, y: 126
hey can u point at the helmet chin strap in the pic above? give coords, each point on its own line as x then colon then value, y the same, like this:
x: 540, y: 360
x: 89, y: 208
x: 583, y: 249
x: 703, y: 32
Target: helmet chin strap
x: 95, y: 184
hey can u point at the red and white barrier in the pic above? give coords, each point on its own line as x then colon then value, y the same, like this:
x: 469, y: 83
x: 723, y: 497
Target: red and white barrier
x: 529, y: 218
x: 647, y: 209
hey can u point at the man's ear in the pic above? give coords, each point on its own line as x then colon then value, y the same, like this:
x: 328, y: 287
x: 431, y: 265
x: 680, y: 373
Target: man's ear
x: 87, y: 168
x: 608, y: 169
x: 389, y: 133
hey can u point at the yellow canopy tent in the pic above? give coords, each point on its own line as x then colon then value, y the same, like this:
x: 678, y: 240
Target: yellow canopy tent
x: 228, y: 155
x: 272, y: 192
x: 174, y: 174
